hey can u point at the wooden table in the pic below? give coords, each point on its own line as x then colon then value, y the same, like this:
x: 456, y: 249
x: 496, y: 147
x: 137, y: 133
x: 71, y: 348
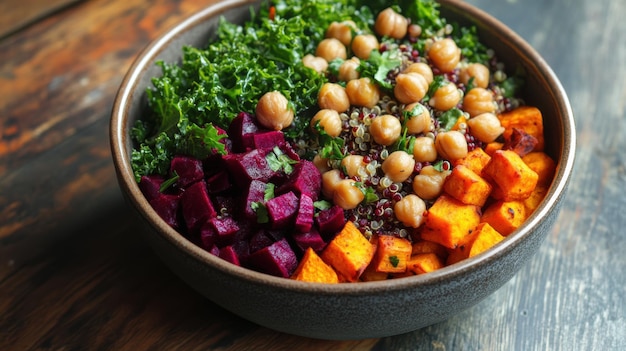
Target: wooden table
x: 74, y: 276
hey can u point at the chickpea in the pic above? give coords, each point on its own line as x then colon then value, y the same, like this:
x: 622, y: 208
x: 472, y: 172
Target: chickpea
x: 421, y: 68
x: 485, y: 127
x: 446, y: 97
x: 391, y: 24
x: 328, y: 120
x: 444, y: 54
x: 410, y: 211
x: 341, y: 31
x: 273, y: 111
x: 333, y: 96
x: 330, y: 179
x: 410, y: 87
x: 363, y: 92
x: 321, y: 163
x: 429, y: 183
x: 451, y: 145
x: 363, y: 45
x: 417, y: 118
x: 351, y: 165
x: 347, y: 195
x: 398, y: 166
x: 478, y: 101
x: 385, y: 129
x: 477, y: 71
x: 348, y: 69
x: 330, y: 49
x: 424, y: 149
x: 316, y: 63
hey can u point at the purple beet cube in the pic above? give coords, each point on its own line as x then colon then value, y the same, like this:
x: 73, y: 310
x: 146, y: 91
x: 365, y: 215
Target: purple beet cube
x: 196, y: 206
x: 256, y: 193
x: 277, y: 259
x: 306, y: 211
x: 259, y: 240
x: 188, y: 169
x: 166, y: 206
x: 241, y: 131
x: 311, y: 239
x: 214, y: 250
x: 330, y: 221
x: 282, y: 210
x: 207, y: 236
x: 225, y: 229
x: 268, y: 139
x: 305, y: 179
x: 150, y: 186
x: 218, y: 182
x: 249, y: 166
x: 229, y: 254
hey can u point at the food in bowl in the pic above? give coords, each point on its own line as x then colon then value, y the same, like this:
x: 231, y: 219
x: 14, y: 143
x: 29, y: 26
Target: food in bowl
x: 341, y: 142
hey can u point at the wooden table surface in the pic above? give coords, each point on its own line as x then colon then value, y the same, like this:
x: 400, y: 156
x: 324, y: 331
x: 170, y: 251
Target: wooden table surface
x: 75, y: 276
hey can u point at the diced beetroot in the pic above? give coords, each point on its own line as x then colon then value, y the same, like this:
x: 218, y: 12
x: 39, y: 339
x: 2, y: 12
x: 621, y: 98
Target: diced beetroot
x: 305, y: 179
x: 214, y: 250
x: 225, y: 229
x: 304, y: 218
x: 282, y: 210
x: 189, y: 170
x: 241, y: 131
x: 227, y: 142
x: 218, y: 182
x: 226, y: 205
x: 247, y: 167
x: 268, y: 139
x: 166, y: 206
x: 277, y: 259
x: 288, y: 150
x: 196, y: 205
x: 330, y: 221
x: 207, y: 236
x: 311, y: 239
x: 256, y: 193
x: 229, y: 254
x: 150, y: 186
x: 260, y: 240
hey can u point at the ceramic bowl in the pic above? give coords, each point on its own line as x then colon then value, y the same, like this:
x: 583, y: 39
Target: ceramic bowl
x: 360, y: 310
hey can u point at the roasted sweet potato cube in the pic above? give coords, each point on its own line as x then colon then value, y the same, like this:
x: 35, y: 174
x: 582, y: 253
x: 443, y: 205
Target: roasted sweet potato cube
x: 475, y: 160
x: 425, y: 246
x: 313, y: 269
x: 492, y: 147
x: 449, y: 220
x: 505, y: 216
x: 349, y: 253
x: 533, y: 201
x: 424, y: 263
x: 542, y: 164
x: 481, y: 239
x: 526, y: 118
x: 392, y: 254
x: 515, y: 180
x: 466, y: 186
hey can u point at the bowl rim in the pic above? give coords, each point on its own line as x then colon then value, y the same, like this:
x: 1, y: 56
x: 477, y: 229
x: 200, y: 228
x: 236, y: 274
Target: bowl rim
x: 118, y: 131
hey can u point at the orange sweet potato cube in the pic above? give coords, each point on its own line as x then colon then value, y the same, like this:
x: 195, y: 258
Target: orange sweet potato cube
x: 425, y: 246
x: 533, y: 201
x: 313, y: 269
x: 513, y: 178
x: 481, y: 239
x: 449, y: 220
x: 492, y: 147
x: 466, y: 186
x: 505, y: 216
x: 424, y: 263
x: 542, y: 164
x: 392, y: 254
x: 475, y: 160
x: 526, y: 118
x: 349, y: 252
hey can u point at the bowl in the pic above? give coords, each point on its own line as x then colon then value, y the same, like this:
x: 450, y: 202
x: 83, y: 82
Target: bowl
x: 365, y: 309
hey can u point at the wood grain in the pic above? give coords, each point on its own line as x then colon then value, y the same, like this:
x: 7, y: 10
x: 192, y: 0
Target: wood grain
x: 74, y: 274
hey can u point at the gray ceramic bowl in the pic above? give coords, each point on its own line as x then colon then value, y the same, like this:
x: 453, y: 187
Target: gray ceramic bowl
x: 361, y: 310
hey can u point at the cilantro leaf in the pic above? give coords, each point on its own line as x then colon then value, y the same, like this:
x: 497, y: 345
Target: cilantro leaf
x: 278, y: 161
x: 378, y: 66
x: 261, y: 212
x: 449, y: 118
